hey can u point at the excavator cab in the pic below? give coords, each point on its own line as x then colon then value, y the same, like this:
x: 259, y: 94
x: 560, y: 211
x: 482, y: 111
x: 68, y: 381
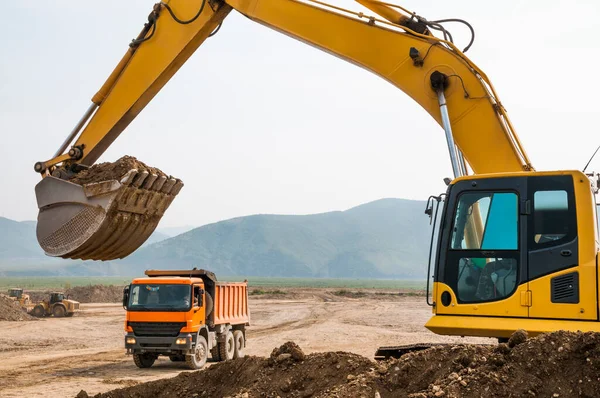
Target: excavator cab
x: 516, y: 249
x: 15, y: 292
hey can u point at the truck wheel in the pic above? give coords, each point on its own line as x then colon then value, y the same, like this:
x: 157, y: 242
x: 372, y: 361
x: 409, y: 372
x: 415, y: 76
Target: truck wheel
x: 59, y: 311
x: 238, y: 338
x: 214, y: 353
x: 198, y: 358
x: 38, y: 311
x: 227, y: 348
x: 145, y: 360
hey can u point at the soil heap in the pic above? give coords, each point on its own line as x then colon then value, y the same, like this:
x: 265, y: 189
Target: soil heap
x: 560, y: 364
x: 10, y: 310
x: 112, y: 171
x: 96, y: 294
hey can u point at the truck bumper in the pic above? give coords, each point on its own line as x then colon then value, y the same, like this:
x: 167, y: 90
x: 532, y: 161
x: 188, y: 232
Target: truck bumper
x: 159, y: 345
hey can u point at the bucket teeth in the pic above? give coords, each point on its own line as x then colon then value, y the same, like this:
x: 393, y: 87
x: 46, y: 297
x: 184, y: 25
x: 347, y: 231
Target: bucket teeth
x: 128, y: 178
x: 102, y: 224
x: 177, y: 187
x: 140, y: 178
x: 166, y: 188
x: 150, y: 181
x: 158, y: 184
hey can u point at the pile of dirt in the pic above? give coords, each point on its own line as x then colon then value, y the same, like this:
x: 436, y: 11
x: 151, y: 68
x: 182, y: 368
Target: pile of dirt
x: 112, y: 171
x: 287, y: 373
x: 96, y: 293
x: 10, y: 310
x: 560, y: 364
x: 38, y: 295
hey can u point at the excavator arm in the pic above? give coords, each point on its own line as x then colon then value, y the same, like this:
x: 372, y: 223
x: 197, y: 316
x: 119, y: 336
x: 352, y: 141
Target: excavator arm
x: 113, y: 218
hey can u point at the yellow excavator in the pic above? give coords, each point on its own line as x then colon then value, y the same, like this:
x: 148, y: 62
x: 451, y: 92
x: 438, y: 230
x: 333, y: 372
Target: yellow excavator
x: 515, y: 248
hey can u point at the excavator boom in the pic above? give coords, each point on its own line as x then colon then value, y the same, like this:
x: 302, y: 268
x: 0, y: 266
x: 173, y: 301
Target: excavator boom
x: 110, y: 219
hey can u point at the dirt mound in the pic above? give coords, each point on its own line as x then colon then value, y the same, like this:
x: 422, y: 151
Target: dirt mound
x: 112, y: 171
x: 10, y: 310
x: 96, y: 294
x: 281, y: 375
x: 560, y: 364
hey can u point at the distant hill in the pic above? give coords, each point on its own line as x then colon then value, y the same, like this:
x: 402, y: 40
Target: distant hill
x: 174, y: 231
x: 387, y: 238
x: 20, y: 254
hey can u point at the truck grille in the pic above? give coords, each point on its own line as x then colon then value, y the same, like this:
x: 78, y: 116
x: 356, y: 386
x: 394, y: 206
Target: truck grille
x: 156, y: 328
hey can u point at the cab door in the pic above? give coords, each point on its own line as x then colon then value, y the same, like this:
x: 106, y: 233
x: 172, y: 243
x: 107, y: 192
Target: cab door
x: 198, y: 309
x: 562, y: 277
x: 482, y: 257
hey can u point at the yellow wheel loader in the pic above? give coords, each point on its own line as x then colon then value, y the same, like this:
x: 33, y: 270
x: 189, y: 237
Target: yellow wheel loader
x: 57, y: 305
x: 516, y: 248
x: 17, y: 294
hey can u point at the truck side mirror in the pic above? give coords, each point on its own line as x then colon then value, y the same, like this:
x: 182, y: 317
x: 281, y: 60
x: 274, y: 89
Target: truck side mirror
x: 125, y: 296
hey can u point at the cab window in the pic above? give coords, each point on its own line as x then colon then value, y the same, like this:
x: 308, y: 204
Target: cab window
x: 486, y: 221
x: 551, y: 217
x: 484, y: 245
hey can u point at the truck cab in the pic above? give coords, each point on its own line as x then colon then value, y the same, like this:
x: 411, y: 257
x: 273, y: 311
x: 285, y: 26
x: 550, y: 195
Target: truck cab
x: 185, y: 315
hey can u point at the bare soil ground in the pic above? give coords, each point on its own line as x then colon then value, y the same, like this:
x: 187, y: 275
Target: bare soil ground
x: 60, y: 357
x: 560, y: 364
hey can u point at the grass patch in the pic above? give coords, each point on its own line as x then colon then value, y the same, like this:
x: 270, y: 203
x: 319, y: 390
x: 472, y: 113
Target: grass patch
x: 263, y: 283
x: 260, y: 292
x: 348, y: 293
x: 341, y: 283
x: 60, y: 283
x: 414, y: 293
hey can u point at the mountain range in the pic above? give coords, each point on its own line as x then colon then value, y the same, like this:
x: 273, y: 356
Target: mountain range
x: 388, y: 238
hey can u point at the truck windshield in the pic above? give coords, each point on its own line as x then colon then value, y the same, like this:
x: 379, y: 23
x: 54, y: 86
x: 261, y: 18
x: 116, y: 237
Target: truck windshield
x: 159, y: 297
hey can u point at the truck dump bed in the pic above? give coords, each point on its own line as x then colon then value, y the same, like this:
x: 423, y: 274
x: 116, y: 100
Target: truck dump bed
x: 231, y: 303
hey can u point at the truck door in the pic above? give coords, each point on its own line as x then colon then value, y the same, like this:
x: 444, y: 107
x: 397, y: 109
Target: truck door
x: 482, y: 258
x: 198, y: 305
x: 561, y: 278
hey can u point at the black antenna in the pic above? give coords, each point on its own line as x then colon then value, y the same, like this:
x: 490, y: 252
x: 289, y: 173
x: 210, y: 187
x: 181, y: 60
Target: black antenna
x: 588, y: 163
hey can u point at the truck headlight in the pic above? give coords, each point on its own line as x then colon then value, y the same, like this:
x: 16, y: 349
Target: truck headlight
x: 181, y: 340
x: 130, y: 340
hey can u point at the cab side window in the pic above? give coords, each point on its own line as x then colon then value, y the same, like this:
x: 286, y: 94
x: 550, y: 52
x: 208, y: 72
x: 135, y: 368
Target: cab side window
x: 551, y: 218
x: 196, y: 296
x: 552, y: 225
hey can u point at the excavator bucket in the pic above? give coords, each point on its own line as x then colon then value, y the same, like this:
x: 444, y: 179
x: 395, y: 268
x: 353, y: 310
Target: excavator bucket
x: 103, y: 220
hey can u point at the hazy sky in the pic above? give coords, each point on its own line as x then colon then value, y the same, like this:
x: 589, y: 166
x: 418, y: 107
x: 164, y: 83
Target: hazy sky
x: 256, y: 122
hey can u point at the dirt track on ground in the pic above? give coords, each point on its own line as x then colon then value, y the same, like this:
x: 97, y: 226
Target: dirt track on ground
x: 60, y: 357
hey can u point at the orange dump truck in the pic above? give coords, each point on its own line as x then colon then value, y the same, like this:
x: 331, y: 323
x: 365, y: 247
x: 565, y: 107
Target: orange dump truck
x: 185, y: 315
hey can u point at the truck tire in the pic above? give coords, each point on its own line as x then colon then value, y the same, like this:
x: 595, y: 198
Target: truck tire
x: 59, y: 311
x: 214, y: 353
x: 38, y: 311
x: 144, y: 360
x: 227, y: 348
x: 199, y: 356
x: 238, y: 339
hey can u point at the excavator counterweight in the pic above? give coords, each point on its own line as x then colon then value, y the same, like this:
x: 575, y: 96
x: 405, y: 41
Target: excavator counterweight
x: 104, y: 213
